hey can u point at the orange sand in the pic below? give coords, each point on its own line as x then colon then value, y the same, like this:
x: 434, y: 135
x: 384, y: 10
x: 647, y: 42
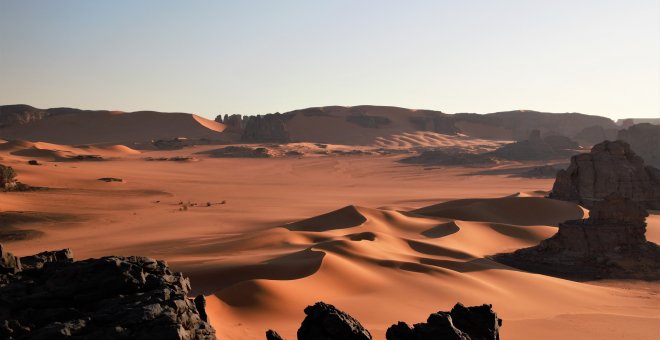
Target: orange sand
x: 262, y: 257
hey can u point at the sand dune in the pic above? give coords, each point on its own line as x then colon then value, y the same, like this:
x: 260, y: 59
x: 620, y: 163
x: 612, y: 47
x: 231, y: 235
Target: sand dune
x: 510, y: 210
x: 105, y: 127
x: 57, y: 152
x: 282, y: 240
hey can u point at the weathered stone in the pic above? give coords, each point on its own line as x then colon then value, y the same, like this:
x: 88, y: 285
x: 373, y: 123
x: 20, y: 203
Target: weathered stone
x: 537, y: 148
x: 461, y: 323
x: 7, y: 178
x: 609, y: 167
x: 609, y: 244
x: 37, y: 261
x: 107, y: 298
x: 324, y: 321
x: 272, y: 335
x: 448, y: 157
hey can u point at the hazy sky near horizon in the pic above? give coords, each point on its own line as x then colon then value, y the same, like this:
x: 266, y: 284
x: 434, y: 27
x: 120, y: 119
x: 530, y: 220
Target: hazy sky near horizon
x: 597, y: 57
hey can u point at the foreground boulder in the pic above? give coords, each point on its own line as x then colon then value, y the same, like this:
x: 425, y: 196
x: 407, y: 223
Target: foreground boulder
x: 324, y: 321
x: 609, y: 167
x: 114, y: 297
x: 461, y: 323
x: 610, y: 244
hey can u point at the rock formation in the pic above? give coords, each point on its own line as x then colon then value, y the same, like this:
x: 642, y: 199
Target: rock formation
x: 644, y: 139
x: 272, y: 335
x: 611, y: 243
x: 449, y: 157
x: 7, y: 178
x: 324, y: 321
x: 48, y: 296
x: 461, y: 323
x: 238, y: 152
x: 537, y: 148
x: 609, y: 167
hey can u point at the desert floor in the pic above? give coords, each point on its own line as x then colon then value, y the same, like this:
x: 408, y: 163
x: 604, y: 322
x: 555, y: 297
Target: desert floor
x: 262, y: 256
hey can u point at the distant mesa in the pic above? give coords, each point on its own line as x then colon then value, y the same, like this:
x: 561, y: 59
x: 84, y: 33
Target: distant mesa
x: 609, y: 167
x: 450, y: 157
x: 644, y: 139
x: 610, y: 244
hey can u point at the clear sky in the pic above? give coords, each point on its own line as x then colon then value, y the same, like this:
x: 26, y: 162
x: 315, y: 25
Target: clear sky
x: 210, y: 57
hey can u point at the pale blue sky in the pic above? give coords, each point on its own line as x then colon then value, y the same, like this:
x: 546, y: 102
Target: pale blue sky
x: 209, y: 57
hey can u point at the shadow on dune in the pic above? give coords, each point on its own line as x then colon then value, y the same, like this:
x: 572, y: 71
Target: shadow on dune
x: 12, y: 223
x: 346, y: 217
x: 292, y: 266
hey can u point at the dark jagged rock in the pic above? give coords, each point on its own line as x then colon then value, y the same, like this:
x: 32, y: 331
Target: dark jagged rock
x: 110, y: 179
x: 644, y: 139
x: 537, y: 148
x: 611, y: 243
x: 461, y: 323
x: 269, y: 128
x: 200, y: 303
x: 108, y: 298
x: 449, y: 157
x: 324, y: 321
x: 34, y: 162
x: 272, y: 335
x: 39, y: 260
x: 609, y: 167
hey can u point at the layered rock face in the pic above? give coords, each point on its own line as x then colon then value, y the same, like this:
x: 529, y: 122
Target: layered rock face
x: 611, y: 243
x: 49, y: 296
x: 644, y: 139
x: 461, y: 323
x: 609, y: 167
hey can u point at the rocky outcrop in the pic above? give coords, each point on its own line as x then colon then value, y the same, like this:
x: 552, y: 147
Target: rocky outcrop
x: 324, y: 321
x: 592, y: 135
x: 543, y: 171
x: 238, y: 152
x: 609, y: 167
x: 7, y: 178
x: 272, y: 335
x: 449, y: 157
x: 269, y: 128
x: 48, y: 296
x: 644, y: 139
x: 537, y: 148
x: 461, y: 323
x: 611, y: 244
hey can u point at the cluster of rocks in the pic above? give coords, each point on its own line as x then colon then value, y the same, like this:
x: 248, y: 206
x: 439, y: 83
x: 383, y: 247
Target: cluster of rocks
x: 49, y: 296
x: 611, y: 243
x: 644, y: 139
x: 537, y: 148
x: 324, y: 321
x: 449, y: 157
x: 609, y: 167
x: 268, y: 128
x: 238, y: 152
x: 543, y: 171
